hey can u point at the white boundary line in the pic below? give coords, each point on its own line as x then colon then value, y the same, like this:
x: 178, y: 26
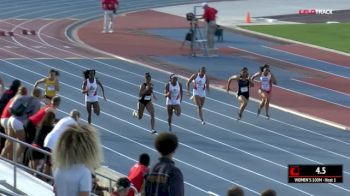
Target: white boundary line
x: 306, y: 57
x: 311, y: 84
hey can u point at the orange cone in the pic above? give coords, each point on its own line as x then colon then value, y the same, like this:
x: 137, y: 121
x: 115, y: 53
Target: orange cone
x: 247, y: 18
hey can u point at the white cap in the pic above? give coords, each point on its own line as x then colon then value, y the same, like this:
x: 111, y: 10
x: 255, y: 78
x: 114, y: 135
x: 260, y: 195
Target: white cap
x: 204, y: 4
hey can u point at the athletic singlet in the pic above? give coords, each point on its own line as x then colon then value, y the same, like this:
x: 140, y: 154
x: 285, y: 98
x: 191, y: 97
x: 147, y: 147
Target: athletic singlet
x: 199, y: 86
x: 91, y: 95
x: 50, y: 87
x: 266, y: 83
x: 243, y: 88
x: 148, y: 94
x: 174, y: 94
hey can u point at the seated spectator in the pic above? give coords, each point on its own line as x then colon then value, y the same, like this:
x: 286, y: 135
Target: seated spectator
x: 138, y: 172
x: 235, y: 191
x: 165, y: 179
x: 46, y: 125
x: 122, y: 187
x: 268, y: 192
x: 96, y: 188
x: 77, y: 153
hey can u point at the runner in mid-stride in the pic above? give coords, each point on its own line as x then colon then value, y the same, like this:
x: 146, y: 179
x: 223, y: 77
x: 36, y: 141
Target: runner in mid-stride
x: 244, y: 84
x: 173, y: 94
x: 145, y: 100
x: 266, y: 81
x: 200, y: 87
x: 90, y: 90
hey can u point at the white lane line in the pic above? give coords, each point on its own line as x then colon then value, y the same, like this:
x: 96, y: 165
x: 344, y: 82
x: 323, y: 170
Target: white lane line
x: 133, y: 141
x: 314, y: 59
x: 194, y: 149
x: 320, y: 99
x: 135, y: 97
x: 187, y: 145
x: 329, y: 89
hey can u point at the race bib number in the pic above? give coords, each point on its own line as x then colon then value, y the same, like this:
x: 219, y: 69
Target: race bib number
x: 244, y: 89
x: 147, y: 98
x: 51, y: 88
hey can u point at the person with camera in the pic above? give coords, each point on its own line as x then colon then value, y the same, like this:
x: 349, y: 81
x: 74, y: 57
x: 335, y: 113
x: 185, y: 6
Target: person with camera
x: 110, y: 7
x: 209, y: 16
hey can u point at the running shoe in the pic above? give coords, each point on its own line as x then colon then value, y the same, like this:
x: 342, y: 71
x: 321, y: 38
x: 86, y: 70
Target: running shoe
x: 203, y: 123
x: 134, y: 114
x: 153, y: 131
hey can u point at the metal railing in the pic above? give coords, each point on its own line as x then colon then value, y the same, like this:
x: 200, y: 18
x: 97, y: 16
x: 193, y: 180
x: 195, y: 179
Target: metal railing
x: 17, y: 165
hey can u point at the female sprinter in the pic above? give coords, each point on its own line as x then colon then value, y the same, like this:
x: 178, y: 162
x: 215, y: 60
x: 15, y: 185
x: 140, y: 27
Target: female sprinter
x: 173, y: 94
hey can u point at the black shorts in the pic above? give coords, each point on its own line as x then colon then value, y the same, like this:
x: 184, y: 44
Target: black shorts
x: 144, y: 102
x: 246, y: 95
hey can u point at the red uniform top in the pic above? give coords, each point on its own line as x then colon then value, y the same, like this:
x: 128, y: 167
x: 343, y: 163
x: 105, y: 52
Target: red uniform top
x: 209, y: 14
x: 109, y: 4
x: 39, y: 115
x: 6, y: 112
x: 136, y: 176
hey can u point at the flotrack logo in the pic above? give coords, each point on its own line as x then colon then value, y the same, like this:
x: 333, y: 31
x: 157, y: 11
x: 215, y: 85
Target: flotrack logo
x: 315, y: 11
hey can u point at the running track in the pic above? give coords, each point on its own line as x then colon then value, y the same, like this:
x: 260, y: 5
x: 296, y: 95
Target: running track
x: 253, y: 153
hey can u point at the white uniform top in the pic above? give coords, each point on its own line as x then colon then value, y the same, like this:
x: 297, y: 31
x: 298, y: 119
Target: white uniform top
x: 175, y: 95
x: 60, y: 127
x: 91, y: 95
x: 266, y: 83
x: 199, y: 87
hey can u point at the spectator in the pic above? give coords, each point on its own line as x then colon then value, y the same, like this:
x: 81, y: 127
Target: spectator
x: 34, y: 120
x: 110, y: 7
x: 51, y: 84
x: 44, y: 128
x: 235, y: 191
x: 16, y: 110
x: 34, y: 104
x: 52, y: 138
x: 9, y: 94
x: 96, y: 188
x: 138, y: 172
x: 5, y: 98
x: 165, y: 179
x: 77, y: 153
x: 268, y: 192
x: 209, y: 16
x: 122, y: 187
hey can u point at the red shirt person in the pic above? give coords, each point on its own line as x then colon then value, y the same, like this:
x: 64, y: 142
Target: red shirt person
x: 138, y: 172
x: 209, y: 16
x: 110, y: 7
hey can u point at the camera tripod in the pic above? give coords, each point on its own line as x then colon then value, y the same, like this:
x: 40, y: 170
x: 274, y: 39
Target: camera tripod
x: 195, y: 37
